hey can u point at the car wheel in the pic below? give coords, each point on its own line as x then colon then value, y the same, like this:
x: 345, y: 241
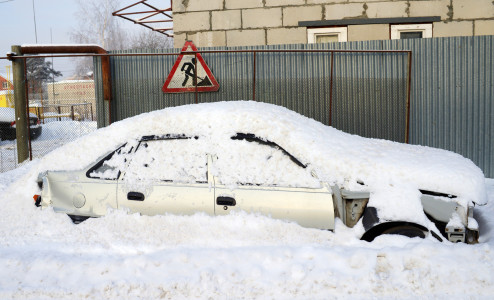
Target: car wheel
x: 78, y: 219
x: 408, y: 231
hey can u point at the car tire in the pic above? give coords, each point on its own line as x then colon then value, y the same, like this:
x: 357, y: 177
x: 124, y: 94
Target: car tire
x: 78, y: 219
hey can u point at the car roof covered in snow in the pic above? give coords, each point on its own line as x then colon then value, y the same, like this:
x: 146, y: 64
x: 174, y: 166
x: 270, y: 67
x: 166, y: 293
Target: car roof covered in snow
x: 7, y: 114
x: 337, y: 157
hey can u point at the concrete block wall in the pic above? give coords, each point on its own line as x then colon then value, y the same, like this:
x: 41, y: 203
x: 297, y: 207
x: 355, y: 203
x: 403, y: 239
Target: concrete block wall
x: 266, y: 22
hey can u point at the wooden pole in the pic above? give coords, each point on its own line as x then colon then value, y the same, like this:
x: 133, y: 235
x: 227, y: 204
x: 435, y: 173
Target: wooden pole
x: 20, y: 102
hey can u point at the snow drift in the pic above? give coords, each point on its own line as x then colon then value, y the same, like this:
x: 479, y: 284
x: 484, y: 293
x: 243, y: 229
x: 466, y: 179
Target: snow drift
x: 241, y: 256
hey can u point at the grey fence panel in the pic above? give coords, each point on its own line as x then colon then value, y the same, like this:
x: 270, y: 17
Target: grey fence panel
x: 298, y: 81
x: 452, y: 93
x: 452, y: 89
x: 370, y: 94
x: 234, y: 73
x: 137, y: 83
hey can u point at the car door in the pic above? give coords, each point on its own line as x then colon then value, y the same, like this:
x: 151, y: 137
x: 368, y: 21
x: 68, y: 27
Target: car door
x: 166, y: 175
x: 257, y: 176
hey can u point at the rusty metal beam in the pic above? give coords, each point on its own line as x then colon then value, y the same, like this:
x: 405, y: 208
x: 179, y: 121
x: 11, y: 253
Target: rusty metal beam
x: 140, y: 12
x: 157, y: 21
x: 132, y: 5
x: 221, y: 51
x: 150, y: 11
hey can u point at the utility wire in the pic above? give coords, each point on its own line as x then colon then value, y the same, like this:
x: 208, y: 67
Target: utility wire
x: 35, y: 30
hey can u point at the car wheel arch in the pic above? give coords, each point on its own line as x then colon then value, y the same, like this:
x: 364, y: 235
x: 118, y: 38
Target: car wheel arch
x: 408, y: 229
x: 375, y: 227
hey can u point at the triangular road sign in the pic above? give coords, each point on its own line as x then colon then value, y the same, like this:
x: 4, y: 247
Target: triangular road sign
x: 181, y: 77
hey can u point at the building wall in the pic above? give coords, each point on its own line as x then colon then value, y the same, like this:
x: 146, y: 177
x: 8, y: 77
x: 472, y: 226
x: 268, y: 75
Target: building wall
x: 5, y: 85
x: 268, y: 22
x: 6, y: 98
x: 6, y: 93
x: 72, y: 92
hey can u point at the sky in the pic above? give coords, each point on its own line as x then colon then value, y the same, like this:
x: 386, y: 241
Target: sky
x: 54, y: 21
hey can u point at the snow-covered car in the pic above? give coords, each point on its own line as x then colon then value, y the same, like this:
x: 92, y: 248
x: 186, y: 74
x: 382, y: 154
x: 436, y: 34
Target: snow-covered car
x: 8, y: 124
x: 221, y: 157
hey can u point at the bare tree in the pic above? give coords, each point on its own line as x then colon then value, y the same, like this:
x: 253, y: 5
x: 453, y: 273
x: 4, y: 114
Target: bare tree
x: 98, y: 26
x: 148, y: 39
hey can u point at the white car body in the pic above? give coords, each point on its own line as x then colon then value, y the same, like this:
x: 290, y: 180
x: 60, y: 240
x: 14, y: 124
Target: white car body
x: 77, y: 193
x: 378, y: 187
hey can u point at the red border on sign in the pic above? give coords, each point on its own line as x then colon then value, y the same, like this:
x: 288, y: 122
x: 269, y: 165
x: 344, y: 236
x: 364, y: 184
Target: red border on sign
x: 201, y: 61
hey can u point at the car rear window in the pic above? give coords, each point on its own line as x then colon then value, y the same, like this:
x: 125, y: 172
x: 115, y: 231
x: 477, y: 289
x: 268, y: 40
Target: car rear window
x: 257, y: 162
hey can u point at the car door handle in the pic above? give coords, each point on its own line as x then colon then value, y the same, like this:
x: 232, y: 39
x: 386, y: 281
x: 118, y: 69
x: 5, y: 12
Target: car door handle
x: 135, y: 196
x: 228, y: 201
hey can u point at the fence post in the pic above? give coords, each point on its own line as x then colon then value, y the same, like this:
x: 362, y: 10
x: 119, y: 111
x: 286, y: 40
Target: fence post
x: 254, y: 77
x: 331, y: 90
x: 195, y: 76
x: 409, y: 85
x: 72, y: 112
x: 20, y: 103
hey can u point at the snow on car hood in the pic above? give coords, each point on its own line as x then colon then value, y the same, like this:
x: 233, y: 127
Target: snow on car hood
x: 7, y: 114
x: 337, y: 157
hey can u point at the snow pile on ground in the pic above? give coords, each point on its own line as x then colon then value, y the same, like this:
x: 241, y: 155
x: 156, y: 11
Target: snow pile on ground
x: 66, y: 130
x: 241, y: 256
x: 54, y: 134
x: 44, y: 255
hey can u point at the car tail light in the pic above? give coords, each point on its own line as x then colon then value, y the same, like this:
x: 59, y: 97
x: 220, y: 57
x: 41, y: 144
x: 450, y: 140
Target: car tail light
x: 37, y: 200
x: 38, y: 122
x: 12, y: 124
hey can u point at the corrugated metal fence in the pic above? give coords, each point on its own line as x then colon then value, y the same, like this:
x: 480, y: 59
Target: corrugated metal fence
x: 368, y: 96
x: 452, y: 88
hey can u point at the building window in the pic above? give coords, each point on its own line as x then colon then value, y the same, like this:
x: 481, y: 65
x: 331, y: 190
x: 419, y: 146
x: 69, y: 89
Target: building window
x: 416, y: 31
x: 326, y: 35
x: 5, y: 85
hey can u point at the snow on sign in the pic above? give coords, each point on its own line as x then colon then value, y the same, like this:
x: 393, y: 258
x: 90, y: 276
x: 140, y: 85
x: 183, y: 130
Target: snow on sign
x: 182, y: 75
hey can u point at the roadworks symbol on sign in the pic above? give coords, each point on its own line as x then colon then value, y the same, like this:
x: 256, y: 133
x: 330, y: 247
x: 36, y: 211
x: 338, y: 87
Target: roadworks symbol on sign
x: 182, y: 76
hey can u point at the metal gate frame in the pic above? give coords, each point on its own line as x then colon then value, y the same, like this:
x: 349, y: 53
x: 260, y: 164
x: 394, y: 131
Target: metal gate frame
x: 106, y: 71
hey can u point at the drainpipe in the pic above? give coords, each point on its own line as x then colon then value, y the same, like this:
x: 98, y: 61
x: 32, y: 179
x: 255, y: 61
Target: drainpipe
x: 73, y: 49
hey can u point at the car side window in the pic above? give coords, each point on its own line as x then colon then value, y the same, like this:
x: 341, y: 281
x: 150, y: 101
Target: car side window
x: 180, y: 160
x: 110, y: 167
x: 251, y: 161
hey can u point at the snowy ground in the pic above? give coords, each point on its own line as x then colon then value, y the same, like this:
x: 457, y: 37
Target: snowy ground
x: 239, y: 256
x: 44, y: 255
